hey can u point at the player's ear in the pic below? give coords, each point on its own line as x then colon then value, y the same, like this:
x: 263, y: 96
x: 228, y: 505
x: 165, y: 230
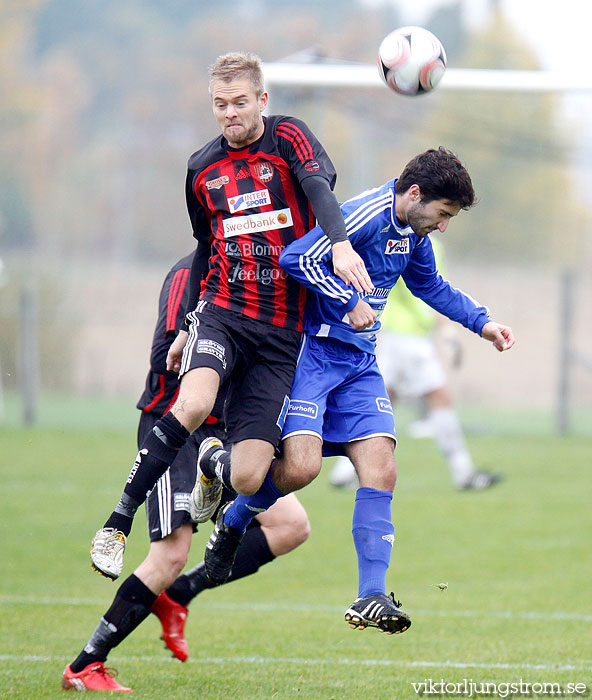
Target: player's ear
x: 414, y: 192
x: 263, y: 100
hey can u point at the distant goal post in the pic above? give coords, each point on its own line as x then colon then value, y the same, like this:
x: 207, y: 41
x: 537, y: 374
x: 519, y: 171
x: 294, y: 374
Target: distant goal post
x: 356, y: 75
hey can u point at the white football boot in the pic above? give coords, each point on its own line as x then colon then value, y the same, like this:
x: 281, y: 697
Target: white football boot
x: 106, y: 552
x: 206, y: 493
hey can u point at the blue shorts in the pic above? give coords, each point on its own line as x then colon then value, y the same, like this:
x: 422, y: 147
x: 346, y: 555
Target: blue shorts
x: 338, y: 394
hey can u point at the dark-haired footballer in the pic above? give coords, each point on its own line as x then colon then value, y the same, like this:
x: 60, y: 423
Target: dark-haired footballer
x: 339, y: 403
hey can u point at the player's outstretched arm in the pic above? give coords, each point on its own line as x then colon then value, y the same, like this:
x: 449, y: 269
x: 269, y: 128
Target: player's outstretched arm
x: 347, y: 264
x: 350, y: 267
x: 501, y: 336
x: 175, y: 352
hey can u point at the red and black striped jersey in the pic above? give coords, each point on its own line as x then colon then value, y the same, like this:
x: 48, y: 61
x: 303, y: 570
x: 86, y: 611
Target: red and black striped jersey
x: 248, y: 205
x: 162, y: 387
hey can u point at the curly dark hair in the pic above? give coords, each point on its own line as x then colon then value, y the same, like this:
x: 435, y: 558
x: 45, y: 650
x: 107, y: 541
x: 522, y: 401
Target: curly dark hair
x: 439, y: 174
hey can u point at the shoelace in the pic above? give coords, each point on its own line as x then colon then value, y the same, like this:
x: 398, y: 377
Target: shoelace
x: 104, y: 670
x: 109, y: 671
x: 396, y: 603
x: 111, y: 542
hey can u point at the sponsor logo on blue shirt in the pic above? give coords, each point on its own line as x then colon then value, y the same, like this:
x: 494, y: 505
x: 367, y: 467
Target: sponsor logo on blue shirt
x: 396, y: 245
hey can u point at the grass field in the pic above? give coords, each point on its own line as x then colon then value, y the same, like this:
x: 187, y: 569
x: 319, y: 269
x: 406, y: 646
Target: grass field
x: 516, y: 560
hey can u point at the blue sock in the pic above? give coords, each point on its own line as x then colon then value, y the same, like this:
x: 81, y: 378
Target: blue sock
x: 374, y: 536
x: 245, y: 508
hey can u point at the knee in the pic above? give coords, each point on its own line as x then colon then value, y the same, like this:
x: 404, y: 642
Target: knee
x: 163, y: 564
x: 171, y: 556
x: 393, y: 475
x: 245, y: 482
x: 292, y: 532
x: 175, y: 562
x: 387, y: 475
x: 191, y: 410
x: 250, y: 461
x: 298, y: 530
x: 382, y: 475
x: 296, y: 473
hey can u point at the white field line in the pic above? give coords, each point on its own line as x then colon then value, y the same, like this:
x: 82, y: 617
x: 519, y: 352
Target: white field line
x: 246, y: 606
x: 301, y: 661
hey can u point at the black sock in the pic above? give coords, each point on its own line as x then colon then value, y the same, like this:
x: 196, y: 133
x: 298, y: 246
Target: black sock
x: 216, y: 462
x: 122, y: 517
x: 253, y: 552
x: 190, y: 584
x: 157, y: 453
x: 131, y: 606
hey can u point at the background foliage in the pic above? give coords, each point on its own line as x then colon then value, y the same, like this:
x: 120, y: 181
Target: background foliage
x: 102, y: 102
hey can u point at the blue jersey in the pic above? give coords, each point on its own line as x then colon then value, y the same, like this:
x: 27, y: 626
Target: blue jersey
x: 389, y: 250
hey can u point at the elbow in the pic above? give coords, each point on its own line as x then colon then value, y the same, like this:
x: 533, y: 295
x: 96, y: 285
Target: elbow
x: 282, y: 258
x: 286, y: 260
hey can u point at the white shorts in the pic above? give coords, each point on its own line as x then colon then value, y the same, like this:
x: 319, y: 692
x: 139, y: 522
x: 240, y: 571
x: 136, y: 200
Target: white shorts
x: 409, y: 364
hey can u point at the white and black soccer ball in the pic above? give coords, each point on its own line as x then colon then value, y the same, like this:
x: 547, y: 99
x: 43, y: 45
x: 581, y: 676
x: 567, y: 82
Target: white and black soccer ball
x: 411, y: 60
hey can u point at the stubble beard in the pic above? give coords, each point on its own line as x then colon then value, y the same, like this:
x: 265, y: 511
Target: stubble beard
x: 250, y: 135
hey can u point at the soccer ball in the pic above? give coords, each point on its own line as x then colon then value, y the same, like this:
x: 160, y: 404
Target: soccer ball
x: 411, y: 60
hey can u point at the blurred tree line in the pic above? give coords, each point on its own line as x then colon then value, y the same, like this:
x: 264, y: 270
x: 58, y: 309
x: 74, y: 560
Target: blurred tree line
x: 102, y: 102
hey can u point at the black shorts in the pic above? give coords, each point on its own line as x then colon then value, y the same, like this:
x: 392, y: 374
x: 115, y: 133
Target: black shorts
x: 256, y: 359
x: 167, y: 506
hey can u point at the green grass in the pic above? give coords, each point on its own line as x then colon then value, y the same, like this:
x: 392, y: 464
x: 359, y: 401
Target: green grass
x: 53, y: 410
x: 516, y: 560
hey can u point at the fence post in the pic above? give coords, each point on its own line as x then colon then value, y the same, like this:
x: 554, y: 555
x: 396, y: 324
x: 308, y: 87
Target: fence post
x: 29, y: 355
x: 566, y: 289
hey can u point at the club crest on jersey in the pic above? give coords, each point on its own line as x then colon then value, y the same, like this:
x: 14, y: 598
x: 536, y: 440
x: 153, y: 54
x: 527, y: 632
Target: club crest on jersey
x: 218, y: 182
x: 264, y: 171
x: 397, y: 245
x: 248, y: 200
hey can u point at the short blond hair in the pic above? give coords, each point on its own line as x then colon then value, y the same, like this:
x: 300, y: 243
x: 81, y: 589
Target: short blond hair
x: 238, y: 64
